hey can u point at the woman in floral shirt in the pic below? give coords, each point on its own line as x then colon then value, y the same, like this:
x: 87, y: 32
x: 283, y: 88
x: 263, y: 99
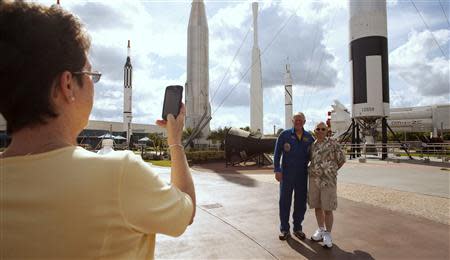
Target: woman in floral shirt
x: 326, y: 159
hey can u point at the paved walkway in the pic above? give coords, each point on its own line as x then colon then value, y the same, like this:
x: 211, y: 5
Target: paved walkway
x: 411, y: 177
x: 237, y: 218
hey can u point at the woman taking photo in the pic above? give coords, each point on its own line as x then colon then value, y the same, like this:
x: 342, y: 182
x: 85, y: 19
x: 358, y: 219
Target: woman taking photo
x: 57, y: 199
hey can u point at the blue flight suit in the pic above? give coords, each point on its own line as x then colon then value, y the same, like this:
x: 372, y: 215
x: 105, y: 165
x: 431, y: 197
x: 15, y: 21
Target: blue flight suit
x: 294, y: 168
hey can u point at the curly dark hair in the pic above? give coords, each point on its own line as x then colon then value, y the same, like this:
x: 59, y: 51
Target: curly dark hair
x: 37, y: 44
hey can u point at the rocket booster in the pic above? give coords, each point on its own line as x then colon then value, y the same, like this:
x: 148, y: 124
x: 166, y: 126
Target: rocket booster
x: 369, y: 58
x: 197, y: 84
x: 256, y: 91
x: 127, y: 94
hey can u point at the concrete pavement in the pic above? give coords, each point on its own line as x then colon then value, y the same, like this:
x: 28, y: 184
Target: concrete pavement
x: 237, y: 218
x: 411, y: 177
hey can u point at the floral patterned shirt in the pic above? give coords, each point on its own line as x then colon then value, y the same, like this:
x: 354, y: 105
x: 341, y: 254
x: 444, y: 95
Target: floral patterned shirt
x: 326, y: 157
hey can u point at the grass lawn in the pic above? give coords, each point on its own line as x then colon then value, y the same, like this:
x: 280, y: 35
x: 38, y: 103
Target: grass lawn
x: 163, y: 163
x: 424, y: 154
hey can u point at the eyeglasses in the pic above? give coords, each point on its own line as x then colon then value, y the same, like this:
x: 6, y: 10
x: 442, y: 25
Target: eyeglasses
x: 94, y: 75
x: 320, y: 129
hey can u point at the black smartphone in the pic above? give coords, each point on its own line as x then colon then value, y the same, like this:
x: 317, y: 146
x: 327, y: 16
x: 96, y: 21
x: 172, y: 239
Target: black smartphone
x: 172, y: 101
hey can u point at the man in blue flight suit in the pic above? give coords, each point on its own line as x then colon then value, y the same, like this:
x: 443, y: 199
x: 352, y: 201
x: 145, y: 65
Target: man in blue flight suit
x: 293, y: 145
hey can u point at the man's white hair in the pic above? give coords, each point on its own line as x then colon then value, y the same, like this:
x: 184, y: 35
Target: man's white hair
x: 299, y: 114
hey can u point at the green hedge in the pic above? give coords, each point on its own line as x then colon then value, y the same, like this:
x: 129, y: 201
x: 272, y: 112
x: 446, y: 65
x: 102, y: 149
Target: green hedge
x: 204, y: 156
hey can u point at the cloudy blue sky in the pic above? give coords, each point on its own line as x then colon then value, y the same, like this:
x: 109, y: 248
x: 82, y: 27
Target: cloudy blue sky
x: 312, y: 33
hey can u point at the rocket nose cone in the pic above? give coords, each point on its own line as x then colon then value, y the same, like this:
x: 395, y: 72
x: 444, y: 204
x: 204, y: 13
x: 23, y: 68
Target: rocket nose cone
x: 198, y: 14
x: 255, y: 7
x: 128, y: 51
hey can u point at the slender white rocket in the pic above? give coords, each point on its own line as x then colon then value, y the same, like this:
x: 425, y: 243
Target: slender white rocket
x: 288, y: 97
x: 197, y: 83
x: 127, y: 94
x: 256, y: 91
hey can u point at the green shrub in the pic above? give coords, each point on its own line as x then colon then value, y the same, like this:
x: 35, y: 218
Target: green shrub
x: 151, y: 156
x: 205, y: 156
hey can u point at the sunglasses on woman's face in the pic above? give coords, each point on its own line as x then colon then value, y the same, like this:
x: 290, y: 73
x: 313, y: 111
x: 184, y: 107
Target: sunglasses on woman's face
x: 320, y: 129
x: 94, y: 75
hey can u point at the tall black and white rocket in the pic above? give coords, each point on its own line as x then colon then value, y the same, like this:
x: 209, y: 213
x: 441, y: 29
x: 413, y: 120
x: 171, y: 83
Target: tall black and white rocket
x: 288, y: 98
x: 127, y: 94
x: 369, y: 59
x: 256, y: 91
x: 197, y: 84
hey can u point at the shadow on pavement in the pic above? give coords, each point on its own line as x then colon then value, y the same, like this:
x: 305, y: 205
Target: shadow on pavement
x: 325, y: 253
x: 238, y: 179
x: 231, y: 174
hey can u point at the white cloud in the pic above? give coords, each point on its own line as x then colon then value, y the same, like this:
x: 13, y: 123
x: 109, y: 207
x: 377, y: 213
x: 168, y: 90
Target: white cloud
x: 421, y: 65
x: 158, y: 34
x: 230, y: 117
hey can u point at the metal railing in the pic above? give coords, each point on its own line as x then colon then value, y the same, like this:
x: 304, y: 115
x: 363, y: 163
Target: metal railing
x: 396, y: 150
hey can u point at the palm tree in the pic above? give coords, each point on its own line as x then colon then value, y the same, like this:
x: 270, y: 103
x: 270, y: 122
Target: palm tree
x: 247, y: 128
x: 159, y: 142
x: 213, y: 136
x: 219, y: 135
x: 187, y: 134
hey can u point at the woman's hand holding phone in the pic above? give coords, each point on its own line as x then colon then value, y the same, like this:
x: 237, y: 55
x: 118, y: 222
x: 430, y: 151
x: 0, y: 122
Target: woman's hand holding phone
x: 180, y: 175
x: 174, y: 126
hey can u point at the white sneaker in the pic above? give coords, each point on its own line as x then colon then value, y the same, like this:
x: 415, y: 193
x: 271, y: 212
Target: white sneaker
x: 318, y: 235
x: 327, y: 241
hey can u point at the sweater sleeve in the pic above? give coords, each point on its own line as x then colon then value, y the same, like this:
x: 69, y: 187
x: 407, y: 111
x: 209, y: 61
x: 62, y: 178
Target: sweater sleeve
x: 150, y: 205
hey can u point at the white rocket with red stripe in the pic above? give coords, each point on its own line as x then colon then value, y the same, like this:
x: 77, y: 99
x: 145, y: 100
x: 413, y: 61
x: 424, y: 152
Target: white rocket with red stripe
x: 288, y: 98
x: 127, y: 95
